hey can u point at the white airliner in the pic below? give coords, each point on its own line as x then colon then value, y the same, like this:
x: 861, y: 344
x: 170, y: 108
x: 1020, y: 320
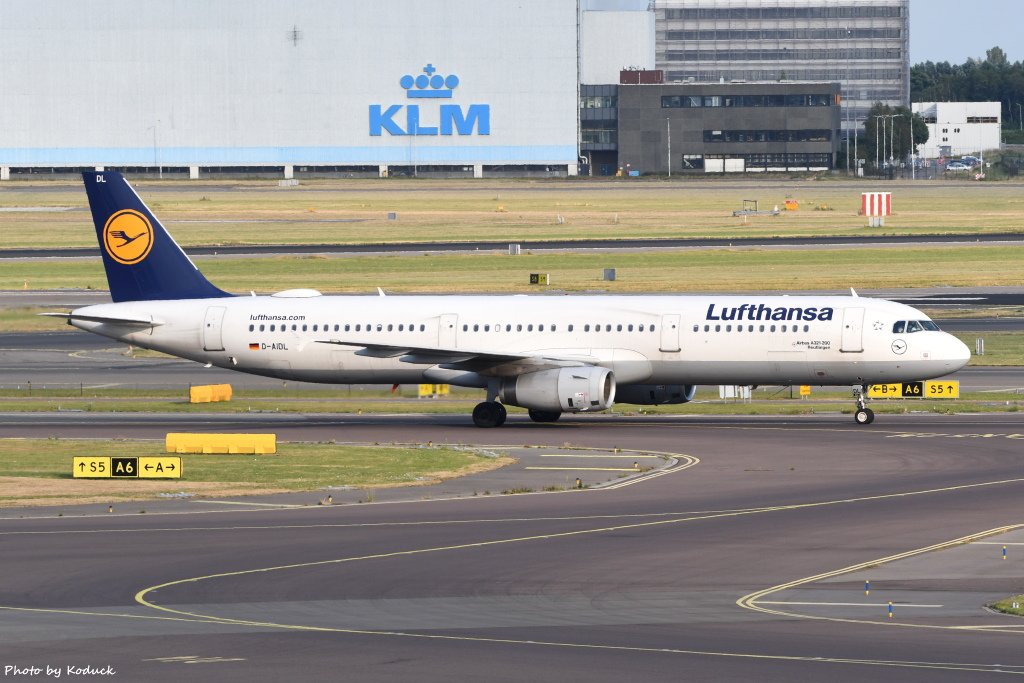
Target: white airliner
x: 551, y: 355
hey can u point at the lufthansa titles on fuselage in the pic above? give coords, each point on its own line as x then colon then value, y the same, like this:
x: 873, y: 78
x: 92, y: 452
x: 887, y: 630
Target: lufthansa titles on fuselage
x: 763, y: 312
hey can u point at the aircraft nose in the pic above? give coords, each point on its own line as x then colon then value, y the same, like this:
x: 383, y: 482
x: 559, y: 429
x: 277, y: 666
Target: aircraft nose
x: 957, y: 352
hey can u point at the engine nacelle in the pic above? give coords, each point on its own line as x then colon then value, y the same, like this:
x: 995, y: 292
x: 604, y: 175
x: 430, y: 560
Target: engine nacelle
x: 564, y: 390
x: 656, y: 394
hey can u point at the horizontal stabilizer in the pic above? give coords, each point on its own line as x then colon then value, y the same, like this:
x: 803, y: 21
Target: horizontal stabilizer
x: 105, y: 319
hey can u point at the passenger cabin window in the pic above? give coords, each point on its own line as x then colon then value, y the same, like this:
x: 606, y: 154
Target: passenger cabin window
x: 252, y: 327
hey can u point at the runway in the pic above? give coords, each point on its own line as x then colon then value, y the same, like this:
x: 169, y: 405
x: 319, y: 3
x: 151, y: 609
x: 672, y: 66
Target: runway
x: 728, y: 569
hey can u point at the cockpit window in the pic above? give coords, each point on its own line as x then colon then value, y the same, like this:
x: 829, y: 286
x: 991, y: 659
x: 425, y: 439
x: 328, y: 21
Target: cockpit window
x: 930, y: 326
x: 898, y: 327
x: 913, y: 326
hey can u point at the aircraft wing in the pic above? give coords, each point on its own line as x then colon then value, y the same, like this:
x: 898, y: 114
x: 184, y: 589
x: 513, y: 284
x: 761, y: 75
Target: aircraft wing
x: 466, y: 359
x: 110, y: 320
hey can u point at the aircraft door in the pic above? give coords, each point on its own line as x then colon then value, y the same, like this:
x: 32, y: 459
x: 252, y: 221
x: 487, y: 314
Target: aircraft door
x: 853, y: 330
x: 447, y: 327
x: 213, y: 329
x: 670, y: 333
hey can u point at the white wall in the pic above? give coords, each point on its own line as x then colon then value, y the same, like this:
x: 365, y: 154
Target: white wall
x: 224, y: 83
x: 612, y: 41
x: 951, y: 127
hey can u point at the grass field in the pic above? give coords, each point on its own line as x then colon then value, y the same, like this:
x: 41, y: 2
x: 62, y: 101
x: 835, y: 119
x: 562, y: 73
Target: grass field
x: 1007, y: 606
x: 38, y: 471
x: 354, y: 211
x: 658, y: 271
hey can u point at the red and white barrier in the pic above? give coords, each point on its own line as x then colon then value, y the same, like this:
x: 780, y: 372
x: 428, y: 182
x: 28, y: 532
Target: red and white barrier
x: 876, y: 205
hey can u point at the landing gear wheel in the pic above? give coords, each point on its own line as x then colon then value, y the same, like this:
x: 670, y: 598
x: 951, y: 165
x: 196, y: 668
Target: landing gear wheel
x: 544, y: 415
x: 489, y: 414
x: 864, y: 416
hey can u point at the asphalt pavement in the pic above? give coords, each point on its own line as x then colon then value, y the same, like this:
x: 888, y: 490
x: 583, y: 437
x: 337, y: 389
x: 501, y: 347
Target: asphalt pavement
x: 748, y: 565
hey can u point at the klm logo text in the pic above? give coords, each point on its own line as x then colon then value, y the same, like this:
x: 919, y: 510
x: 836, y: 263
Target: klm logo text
x: 453, y: 120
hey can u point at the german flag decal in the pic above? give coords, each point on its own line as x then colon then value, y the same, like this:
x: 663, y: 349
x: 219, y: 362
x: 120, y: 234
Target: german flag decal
x: 254, y: 347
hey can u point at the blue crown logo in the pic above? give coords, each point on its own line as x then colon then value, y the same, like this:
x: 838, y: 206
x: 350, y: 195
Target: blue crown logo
x: 429, y: 84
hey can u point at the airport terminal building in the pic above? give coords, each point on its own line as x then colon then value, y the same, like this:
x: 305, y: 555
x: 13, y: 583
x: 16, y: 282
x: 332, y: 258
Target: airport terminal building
x: 347, y: 85
x: 446, y: 88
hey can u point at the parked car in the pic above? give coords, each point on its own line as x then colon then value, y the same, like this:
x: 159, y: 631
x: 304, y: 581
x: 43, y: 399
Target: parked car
x: 957, y: 166
x: 971, y: 161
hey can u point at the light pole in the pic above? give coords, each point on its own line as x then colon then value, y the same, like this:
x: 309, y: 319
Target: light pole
x: 160, y: 170
x: 913, y: 156
x: 856, y: 158
x: 892, y: 138
x: 846, y: 112
x: 1020, y: 120
x: 668, y: 130
x: 879, y: 116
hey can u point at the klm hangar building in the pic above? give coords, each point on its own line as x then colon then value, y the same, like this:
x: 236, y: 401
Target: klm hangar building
x: 347, y: 87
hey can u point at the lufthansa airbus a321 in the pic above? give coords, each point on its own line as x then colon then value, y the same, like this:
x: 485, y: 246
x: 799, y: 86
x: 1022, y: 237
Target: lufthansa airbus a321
x: 551, y: 355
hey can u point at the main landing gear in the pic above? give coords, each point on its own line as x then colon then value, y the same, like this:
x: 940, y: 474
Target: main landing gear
x: 489, y: 414
x: 863, y: 414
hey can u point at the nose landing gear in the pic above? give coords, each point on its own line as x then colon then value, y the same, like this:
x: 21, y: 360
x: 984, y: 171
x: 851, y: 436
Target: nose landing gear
x: 863, y: 415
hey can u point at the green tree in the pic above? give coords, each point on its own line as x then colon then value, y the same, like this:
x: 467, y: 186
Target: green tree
x: 992, y: 79
x: 899, y: 126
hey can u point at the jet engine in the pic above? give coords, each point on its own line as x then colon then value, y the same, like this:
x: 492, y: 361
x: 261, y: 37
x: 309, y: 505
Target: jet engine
x: 656, y: 394
x: 564, y: 390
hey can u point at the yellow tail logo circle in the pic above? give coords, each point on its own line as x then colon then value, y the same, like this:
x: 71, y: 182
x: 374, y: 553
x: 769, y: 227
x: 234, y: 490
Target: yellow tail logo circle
x: 128, y: 237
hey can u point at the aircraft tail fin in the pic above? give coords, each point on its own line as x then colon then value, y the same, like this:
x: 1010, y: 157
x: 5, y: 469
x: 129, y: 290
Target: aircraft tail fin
x: 141, y: 259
